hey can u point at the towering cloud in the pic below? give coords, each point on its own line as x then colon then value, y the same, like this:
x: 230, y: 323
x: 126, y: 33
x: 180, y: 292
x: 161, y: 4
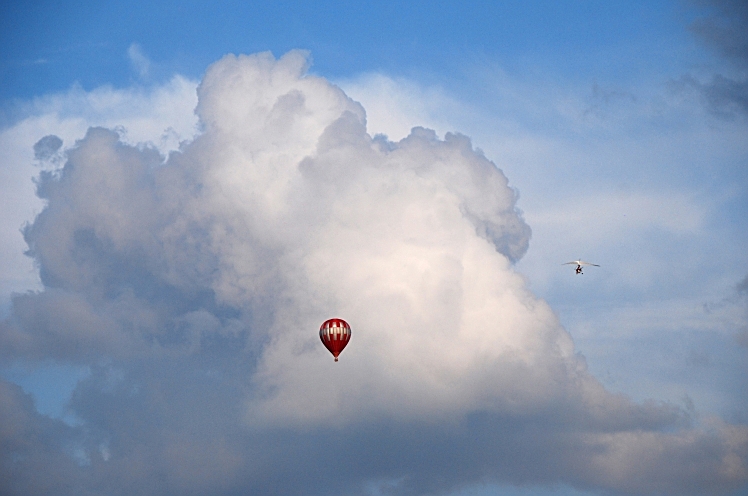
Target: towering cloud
x: 194, y: 285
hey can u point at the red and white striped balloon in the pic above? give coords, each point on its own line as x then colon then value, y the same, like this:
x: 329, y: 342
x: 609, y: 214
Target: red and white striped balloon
x: 335, y: 334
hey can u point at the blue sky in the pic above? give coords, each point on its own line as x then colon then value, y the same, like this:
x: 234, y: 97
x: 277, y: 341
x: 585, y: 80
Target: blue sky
x: 178, y: 262
x: 50, y: 45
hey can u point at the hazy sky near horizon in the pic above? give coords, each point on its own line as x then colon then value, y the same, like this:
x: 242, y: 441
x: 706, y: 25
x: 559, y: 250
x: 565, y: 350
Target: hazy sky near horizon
x: 198, y: 188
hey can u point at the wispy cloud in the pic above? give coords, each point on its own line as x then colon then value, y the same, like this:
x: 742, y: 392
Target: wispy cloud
x: 138, y: 60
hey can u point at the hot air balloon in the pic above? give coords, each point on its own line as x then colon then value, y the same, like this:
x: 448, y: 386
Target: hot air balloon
x: 335, y: 334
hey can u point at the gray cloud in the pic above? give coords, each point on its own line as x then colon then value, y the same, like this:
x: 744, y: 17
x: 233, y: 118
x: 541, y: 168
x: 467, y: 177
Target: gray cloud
x: 742, y: 286
x: 722, y: 96
x: 725, y: 30
x: 32, y: 444
x: 742, y: 334
x: 193, y: 289
x: 46, y: 147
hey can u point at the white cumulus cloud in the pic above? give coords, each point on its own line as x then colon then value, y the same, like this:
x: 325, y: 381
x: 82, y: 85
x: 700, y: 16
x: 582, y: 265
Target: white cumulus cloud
x: 193, y: 286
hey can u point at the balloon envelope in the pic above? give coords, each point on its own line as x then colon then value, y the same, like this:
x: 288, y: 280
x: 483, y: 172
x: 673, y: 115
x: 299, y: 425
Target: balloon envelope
x: 335, y: 334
